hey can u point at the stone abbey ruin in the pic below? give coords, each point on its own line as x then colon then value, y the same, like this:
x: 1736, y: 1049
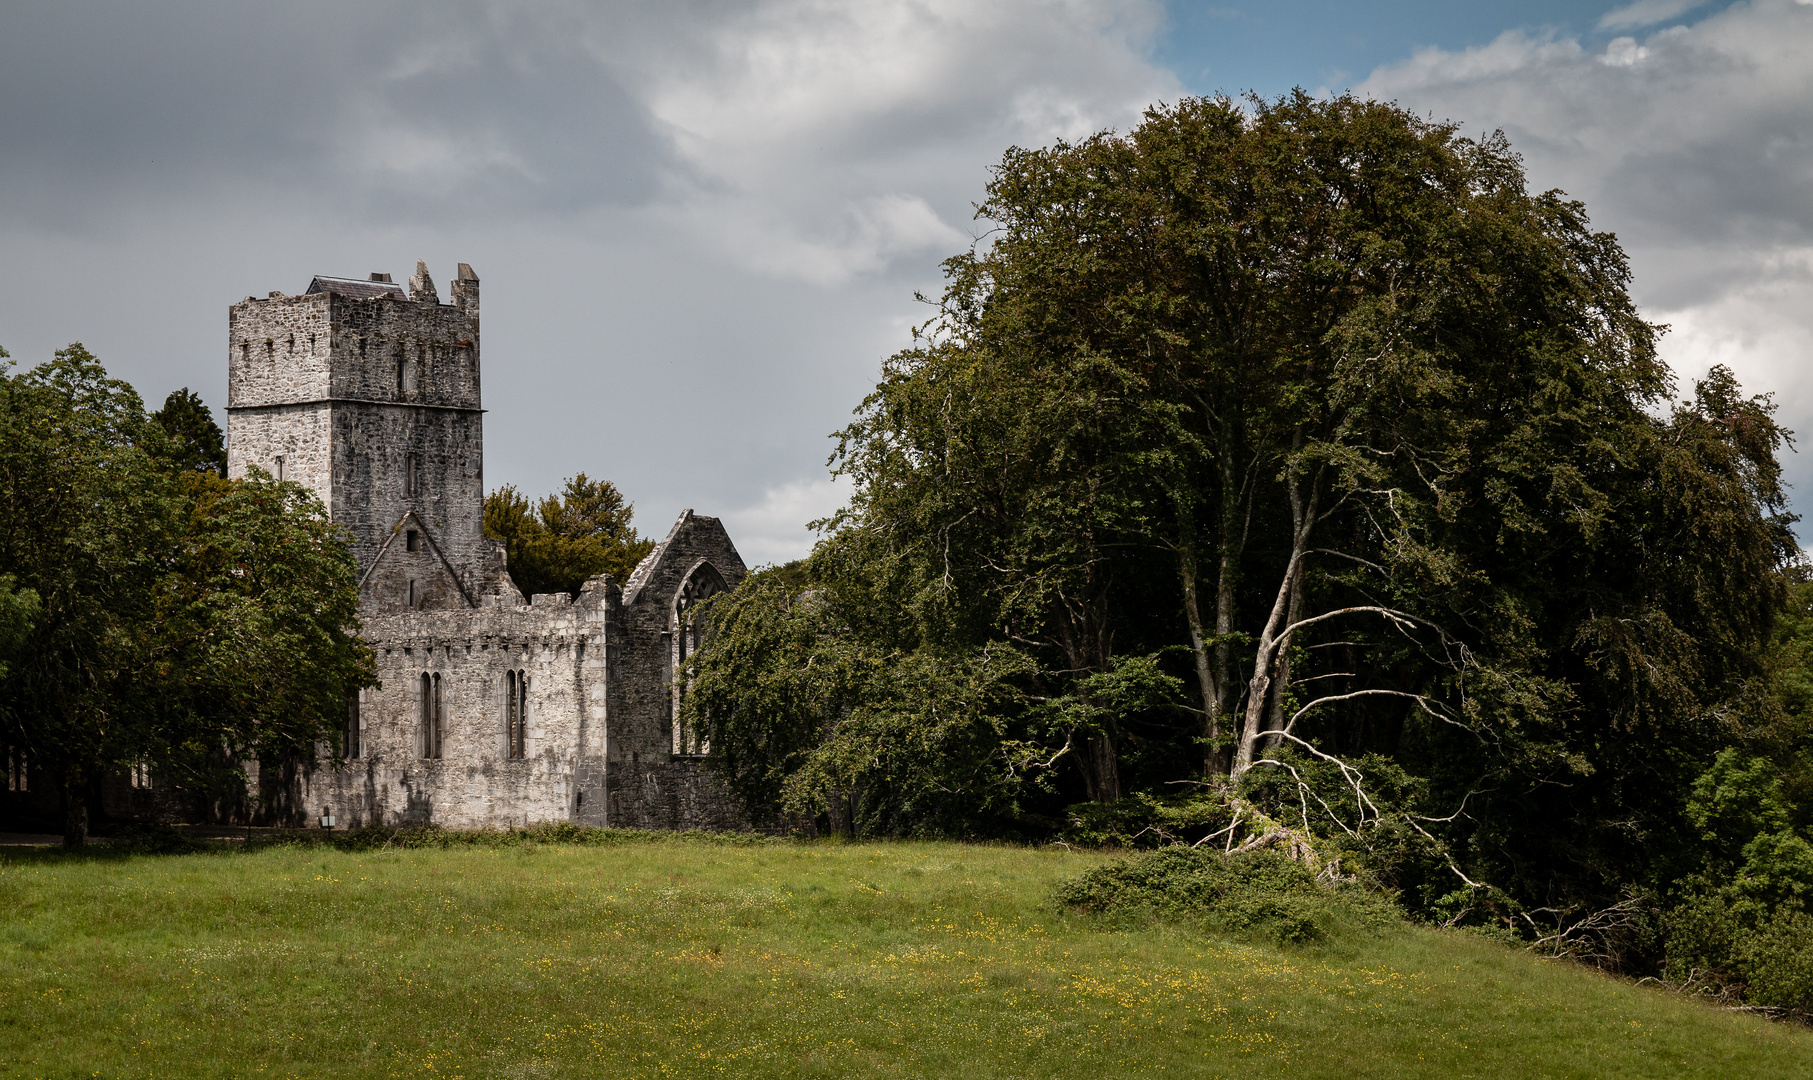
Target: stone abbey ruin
x: 494, y: 709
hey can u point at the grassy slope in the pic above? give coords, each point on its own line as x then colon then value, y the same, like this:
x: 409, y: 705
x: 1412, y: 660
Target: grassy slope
x: 685, y: 957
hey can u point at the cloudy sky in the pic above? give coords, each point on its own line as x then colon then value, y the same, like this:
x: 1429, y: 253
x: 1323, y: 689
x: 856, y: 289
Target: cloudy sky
x: 700, y: 225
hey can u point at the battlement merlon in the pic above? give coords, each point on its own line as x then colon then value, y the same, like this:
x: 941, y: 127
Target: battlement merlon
x: 359, y: 340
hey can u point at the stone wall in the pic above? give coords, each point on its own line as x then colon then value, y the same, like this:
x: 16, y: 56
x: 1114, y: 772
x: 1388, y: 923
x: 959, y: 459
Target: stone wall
x: 599, y: 737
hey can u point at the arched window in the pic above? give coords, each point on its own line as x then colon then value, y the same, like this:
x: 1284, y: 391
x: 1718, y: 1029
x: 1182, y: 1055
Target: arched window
x: 516, y: 714
x: 687, y: 632
x: 433, y: 717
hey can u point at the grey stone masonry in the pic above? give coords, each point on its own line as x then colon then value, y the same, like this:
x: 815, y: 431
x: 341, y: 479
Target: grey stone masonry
x: 492, y: 710
x: 371, y: 399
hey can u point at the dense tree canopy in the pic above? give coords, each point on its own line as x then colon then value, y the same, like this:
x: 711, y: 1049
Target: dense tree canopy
x: 195, y: 439
x: 562, y: 540
x: 159, y: 614
x: 1314, y: 409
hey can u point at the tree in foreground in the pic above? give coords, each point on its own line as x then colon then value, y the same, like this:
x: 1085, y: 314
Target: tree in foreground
x: 166, y: 617
x: 1313, y: 408
x: 559, y: 542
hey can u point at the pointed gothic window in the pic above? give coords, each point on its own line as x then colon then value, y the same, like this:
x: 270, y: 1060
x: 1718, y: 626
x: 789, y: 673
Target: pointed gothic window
x: 411, y: 468
x: 516, y: 713
x: 686, y: 633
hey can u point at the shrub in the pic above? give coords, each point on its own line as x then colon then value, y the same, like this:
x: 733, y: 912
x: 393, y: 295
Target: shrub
x: 1257, y: 893
x: 1762, y: 955
x: 1143, y: 820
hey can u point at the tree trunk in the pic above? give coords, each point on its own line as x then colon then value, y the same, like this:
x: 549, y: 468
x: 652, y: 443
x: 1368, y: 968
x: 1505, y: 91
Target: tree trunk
x: 1101, y: 768
x: 1275, y: 638
x: 1283, y: 684
x: 75, y: 806
x: 1222, y: 758
x: 1213, y: 757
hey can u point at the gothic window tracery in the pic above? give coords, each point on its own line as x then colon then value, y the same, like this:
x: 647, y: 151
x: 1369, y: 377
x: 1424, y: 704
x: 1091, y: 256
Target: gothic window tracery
x: 687, y: 631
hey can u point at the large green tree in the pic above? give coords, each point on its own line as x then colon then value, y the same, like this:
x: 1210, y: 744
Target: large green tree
x: 557, y: 543
x: 1316, y: 405
x: 171, y: 618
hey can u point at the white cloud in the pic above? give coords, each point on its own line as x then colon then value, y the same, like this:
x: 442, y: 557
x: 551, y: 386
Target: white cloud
x: 1646, y: 13
x: 822, y: 141
x: 1623, y: 52
x: 1693, y: 145
x: 774, y: 529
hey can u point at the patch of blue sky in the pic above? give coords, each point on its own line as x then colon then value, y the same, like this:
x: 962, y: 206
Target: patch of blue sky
x: 1327, y: 46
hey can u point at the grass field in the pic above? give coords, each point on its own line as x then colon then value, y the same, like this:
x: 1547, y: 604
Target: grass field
x: 681, y: 957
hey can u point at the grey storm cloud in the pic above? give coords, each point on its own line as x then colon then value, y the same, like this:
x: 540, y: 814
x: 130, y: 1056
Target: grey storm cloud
x: 381, y: 110
x: 700, y: 225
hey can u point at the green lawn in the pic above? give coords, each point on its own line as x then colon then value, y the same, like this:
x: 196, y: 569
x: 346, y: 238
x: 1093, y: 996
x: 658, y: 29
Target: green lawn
x: 672, y: 957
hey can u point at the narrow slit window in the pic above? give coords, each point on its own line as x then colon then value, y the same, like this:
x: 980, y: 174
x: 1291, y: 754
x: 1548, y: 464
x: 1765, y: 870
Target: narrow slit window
x: 412, y: 541
x: 409, y: 474
x: 279, y: 469
x: 516, y: 713
x: 352, y: 725
x: 411, y: 600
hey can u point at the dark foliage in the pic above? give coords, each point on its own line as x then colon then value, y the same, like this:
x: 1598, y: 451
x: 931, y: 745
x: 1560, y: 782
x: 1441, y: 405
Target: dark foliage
x: 196, y: 442
x: 160, y: 615
x: 558, y: 543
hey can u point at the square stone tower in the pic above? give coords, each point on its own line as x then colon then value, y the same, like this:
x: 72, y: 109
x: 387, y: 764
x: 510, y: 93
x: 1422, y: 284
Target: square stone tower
x: 370, y: 397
